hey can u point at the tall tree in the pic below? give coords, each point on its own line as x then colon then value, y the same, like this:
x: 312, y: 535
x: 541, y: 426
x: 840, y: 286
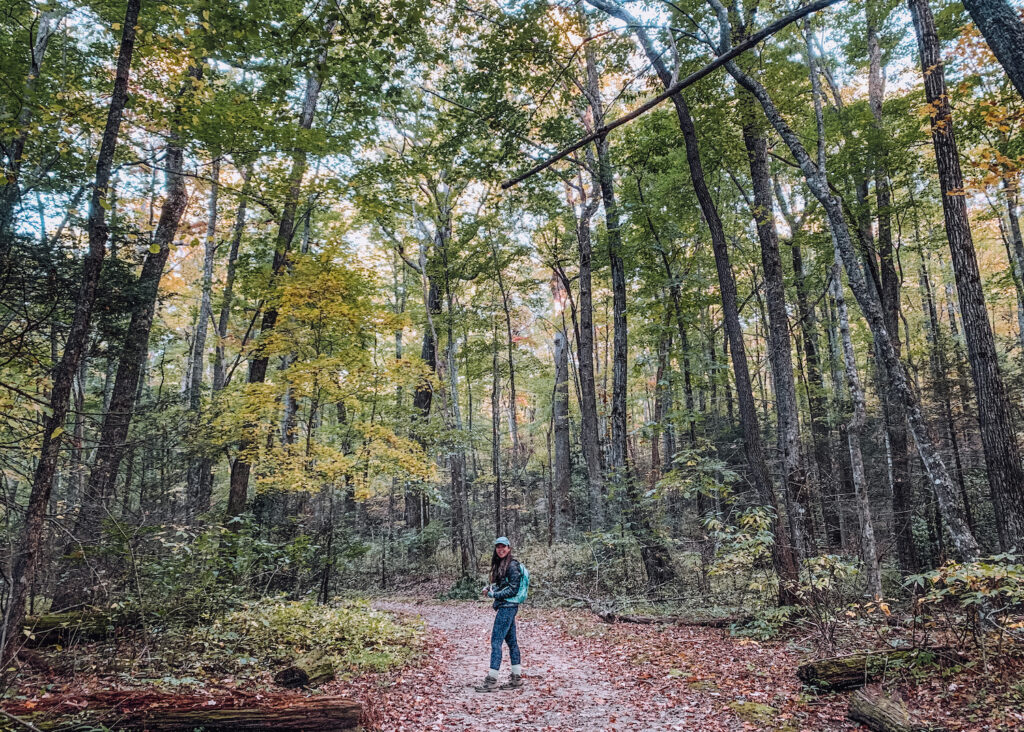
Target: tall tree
x: 30, y: 543
x: 782, y: 558
x: 998, y: 438
x: 242, y: 466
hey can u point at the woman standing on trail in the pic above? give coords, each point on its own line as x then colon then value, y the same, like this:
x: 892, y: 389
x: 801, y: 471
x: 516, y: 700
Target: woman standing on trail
x: 506, y: 575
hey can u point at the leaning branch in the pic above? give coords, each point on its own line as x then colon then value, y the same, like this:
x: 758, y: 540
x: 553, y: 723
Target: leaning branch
x: 675, y: 88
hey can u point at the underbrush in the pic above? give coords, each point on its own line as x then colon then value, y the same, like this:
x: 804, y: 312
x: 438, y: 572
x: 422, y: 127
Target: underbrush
x: 349, y: 633
x: 246, y: 646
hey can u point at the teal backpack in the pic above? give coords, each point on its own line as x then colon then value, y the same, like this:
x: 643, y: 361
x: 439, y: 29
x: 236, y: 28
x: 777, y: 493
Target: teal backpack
x: 524, y: 586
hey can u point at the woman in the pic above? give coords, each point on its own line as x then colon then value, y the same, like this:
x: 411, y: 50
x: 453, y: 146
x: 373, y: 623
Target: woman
x: 506, y: 575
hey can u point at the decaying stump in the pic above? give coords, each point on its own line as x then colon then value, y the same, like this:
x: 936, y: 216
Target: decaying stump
x: 309, y: 670
x: 858, y: 669
x: 881, y: 713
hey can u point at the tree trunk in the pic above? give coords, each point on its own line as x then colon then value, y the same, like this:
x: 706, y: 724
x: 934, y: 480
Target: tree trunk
x: 184, y: 714
x: 23, y: 569
x: 113, y: 439
x: 238, y: 492
x: 998, y: 438
x: 817, y: 404
x: 856, y: 670
x: 227, y: 300
x: 869, y: 550
x: 654, y: 552
x: 880, y: 713
x: 895, y: 415
x: 10, y: 189
x: 562, y: 468
x: 588, y: 382
x: 422, y: 401
x: 199, y: 479
x: 1000, y: 23
x: 496, y: 435
x: 801, y: 519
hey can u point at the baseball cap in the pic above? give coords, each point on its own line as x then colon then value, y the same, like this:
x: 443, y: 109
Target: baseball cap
x: 502, y: 540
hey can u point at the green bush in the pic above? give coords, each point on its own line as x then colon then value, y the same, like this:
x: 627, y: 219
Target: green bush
x: 973, y: 600
x: 466, y: 588
x: 351, y: 633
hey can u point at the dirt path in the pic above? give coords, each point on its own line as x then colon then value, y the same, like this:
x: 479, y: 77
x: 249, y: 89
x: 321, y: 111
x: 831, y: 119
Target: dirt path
x: 572, y: 682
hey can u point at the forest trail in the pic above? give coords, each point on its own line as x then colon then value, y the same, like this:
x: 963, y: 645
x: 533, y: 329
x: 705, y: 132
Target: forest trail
x: 660, y: 679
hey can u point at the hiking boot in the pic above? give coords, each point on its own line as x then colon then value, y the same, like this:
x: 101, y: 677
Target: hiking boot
x: 489, y: 684
x: 515, y: 681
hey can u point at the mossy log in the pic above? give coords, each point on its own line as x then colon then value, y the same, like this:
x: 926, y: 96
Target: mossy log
x: 309, y: 670
x: 46, y: 630
x: 858, y: 669
x: 293, y: 715
x: 881, y: 713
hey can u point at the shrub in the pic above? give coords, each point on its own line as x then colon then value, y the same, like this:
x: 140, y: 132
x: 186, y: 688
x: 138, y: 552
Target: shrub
x: 351, y: 633
x: 973, y: 600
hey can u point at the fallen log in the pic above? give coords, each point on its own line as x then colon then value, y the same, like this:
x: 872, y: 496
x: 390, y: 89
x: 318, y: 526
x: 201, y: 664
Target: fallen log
x: 611, y: 617
x: 170, y: 714
x: 881, y: 713
x: 859, y: 669
x: 309, y: 670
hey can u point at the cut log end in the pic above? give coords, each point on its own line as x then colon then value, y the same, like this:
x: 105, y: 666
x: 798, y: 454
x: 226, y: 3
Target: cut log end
x: 306, y: 671
x: 881, y: 713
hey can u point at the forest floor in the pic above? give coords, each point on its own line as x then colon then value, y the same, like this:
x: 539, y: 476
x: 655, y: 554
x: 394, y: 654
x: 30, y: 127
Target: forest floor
x: 580, y: 673
x: 583, y: 674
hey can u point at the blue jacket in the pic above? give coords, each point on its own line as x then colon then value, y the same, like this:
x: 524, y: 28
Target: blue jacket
x: 508, y: 586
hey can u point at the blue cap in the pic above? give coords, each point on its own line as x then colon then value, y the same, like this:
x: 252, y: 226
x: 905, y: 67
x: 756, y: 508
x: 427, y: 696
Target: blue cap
x: 502, y: 540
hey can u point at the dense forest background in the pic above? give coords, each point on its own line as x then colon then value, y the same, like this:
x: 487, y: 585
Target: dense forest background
x: 272, y: 325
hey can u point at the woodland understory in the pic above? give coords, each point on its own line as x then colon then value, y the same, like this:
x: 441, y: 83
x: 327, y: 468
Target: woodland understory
x: 715, y: 308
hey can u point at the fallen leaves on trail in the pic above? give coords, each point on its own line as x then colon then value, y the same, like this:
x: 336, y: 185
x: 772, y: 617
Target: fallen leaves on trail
x: 581, y: 674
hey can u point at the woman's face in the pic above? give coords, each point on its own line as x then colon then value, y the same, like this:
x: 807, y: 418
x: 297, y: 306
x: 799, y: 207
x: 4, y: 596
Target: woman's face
x: 502, y: 550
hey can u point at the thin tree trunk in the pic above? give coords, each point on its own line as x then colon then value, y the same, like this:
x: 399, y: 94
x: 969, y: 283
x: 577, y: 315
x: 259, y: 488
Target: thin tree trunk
x: 588, y: 382
x: 227, y: 300
x: 801, y: 523
x: 653, y: 550
x: 496, y: 435
x: 10, y: 190
x: 815, y: 387
x: 199, y: 479
x: 869, y: 551
x: 562, y: 468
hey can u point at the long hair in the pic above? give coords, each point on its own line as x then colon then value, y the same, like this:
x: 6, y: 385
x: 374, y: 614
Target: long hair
x: 499, y: 566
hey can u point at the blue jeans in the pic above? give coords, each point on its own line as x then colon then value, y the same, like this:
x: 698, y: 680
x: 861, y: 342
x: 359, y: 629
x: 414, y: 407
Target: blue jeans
x: 504, y: 631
